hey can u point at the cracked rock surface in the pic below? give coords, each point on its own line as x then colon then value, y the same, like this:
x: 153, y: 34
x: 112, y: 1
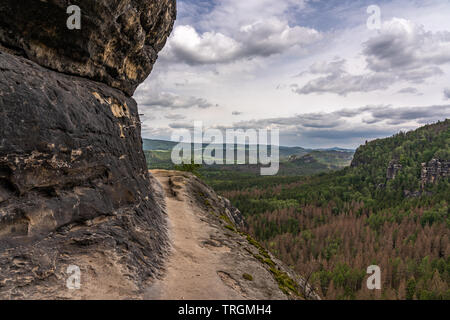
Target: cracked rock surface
x: 74, y: 187
x: 118, y: 42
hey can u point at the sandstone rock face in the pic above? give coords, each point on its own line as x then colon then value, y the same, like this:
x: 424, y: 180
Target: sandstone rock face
x: 74, y: 187
x: 117, y: 44
x: 434, y: 171
x: 393, y: 169
x: 73, y: 180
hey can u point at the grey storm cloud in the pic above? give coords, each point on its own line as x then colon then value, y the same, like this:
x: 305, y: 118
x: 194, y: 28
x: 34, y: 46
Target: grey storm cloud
x: 408, y: 114
x: 182, y: 125
x: 349, y: 133
x: 409, y: 90
x: 340, y: 127
x: 403, y: 45
x: 334, y: 67
x: 172, y: 116
x: 336, y: 126
x: 300, y: 133
x: 171, y: 101
x: 447, y: 93
x: 322, y: 121
x: 343, y: 83
x: 333, y: 128
x: 337, y: 120
x: 402, y: 51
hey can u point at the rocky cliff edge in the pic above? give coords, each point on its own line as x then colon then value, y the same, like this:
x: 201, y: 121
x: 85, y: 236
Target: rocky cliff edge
x: 75, y: 193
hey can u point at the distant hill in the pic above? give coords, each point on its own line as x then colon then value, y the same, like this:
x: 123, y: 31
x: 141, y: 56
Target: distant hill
x: 397, y: 162
x: 163, y: 145
x: 158, y: 153
x: 336, y: 149
x: 158, y: 145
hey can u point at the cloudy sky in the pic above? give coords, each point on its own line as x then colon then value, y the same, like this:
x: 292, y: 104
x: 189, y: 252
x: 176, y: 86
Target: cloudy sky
x: 322, y: 71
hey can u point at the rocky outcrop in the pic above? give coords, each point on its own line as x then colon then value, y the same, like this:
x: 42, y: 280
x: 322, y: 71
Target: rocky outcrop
x: 434, y: 171
x: 117, y: 44
x: 74, y: 188
x: 393, y: 169
x: 233, y: 213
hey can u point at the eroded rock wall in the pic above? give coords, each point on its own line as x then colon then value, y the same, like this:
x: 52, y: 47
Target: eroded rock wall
x: 394, y: 168
x: 74, y: 187
x: 434, y: 171
x: 117, y: 44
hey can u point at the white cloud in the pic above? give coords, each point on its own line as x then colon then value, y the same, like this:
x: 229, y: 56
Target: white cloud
x: 237, y: 53
x: 259, y: 39
x: 187, y: 46
x: 335, y: 79
x: 402, y: 51
x: 170, y: 100
x: 404, y: 46
x: 272, y: 36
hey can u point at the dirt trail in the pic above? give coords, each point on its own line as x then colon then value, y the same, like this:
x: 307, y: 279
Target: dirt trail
x: 193, y: 271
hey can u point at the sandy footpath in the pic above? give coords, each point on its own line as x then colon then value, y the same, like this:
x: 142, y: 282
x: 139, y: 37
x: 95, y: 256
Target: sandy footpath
x: 193, y: 268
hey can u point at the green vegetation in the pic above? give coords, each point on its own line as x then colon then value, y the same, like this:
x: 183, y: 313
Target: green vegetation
x: 247, y: 277
x: 159, y: 160
x: 228, y: 223
x: 332, y: 226
x: 285, y: 283
x: 294, y: 161
x: 188, y: 167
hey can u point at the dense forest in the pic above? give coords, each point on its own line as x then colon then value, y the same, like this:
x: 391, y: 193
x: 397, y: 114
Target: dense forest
x: 379, y: 211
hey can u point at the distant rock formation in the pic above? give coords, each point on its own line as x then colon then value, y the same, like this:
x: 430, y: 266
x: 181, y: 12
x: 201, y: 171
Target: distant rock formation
x: 74, y: 187
x: 434, y: 171
x: 304, y: 159
x: 393, y: 169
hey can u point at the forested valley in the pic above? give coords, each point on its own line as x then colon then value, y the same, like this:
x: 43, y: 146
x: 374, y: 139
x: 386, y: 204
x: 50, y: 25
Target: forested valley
x: 389, y: 208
